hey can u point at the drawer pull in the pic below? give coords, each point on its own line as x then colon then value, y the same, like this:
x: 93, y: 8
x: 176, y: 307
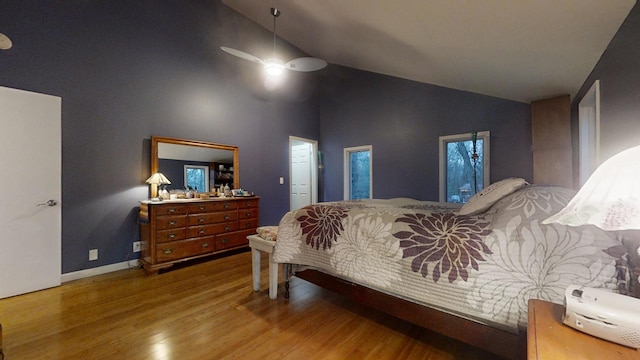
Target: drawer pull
x: 201, y: 220
x: 167, y: 251
x: 201, y: 232
x: 248, y: 224
x: 227, y: 228
x: 224, y: 240
x: 227, y: 217
x: 247, y: 204
x: 227, y: 205
x: 171, y: 236
x: 247, y: 214
x: 204, y: 245
x: 172, y: 210
x: 202, y: 207
x: 172, y: 223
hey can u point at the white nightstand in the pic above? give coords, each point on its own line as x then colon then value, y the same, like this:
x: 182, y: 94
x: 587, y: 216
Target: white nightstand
x: 258, y: 245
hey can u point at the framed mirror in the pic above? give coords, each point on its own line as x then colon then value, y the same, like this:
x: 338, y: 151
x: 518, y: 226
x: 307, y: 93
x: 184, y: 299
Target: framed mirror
x: 194, y: 164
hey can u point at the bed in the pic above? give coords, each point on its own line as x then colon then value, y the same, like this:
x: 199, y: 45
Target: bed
x: 464, y: 271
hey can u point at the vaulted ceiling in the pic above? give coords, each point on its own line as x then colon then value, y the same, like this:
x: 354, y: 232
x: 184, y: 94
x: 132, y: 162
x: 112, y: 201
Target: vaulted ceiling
x: 520, y: 50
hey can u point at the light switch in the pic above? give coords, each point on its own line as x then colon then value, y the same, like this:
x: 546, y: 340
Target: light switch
x: 281, y: 180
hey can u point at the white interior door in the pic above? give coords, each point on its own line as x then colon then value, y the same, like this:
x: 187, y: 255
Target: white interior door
x: 589, y: 131
x: 30, y: 164
x: 300, y: 175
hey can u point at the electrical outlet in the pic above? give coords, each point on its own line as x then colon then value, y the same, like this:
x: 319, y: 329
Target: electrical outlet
x: 93, y: 254
x: 136, y: 246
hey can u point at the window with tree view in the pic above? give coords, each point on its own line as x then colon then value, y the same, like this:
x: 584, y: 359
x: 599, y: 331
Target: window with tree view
x: 357, y: 182
x: 464, y: 166
x: 196, y: 177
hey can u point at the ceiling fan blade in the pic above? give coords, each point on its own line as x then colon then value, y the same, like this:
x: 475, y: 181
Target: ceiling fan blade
x: 5, y: 42
x: 242, y: 54
x: 306, y: 64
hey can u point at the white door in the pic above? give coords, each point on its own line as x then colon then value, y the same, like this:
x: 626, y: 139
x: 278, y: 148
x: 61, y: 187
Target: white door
x: 300, y: 175
x: 30, y: 164
x: 589, y: 131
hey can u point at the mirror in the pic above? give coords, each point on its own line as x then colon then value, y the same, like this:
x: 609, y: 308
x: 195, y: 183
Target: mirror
x: 175, y: 157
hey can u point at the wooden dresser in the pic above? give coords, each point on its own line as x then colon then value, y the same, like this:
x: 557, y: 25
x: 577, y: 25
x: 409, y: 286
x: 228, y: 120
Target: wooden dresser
x: 180, y: 230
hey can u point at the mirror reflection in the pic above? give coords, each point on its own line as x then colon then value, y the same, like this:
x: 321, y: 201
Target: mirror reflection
x: 193, y: 165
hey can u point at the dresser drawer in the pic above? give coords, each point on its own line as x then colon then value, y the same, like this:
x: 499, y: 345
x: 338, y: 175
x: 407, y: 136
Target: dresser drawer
x: 211, y: 218
x: 227, y: 241
x: 183, y: 249
x: 171, y: 210
x: 225, y: 227
x: 205, y: 230
x: 247, y: 213
x: 204, y: 207
x: 247, y: 224
x: 171, y: 235
x: 246, y: 204
x: 212, y: 206
x: 170, y: 222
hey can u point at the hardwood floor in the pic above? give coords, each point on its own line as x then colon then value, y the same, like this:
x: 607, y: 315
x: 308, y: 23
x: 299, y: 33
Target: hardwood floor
x: 207, y: 310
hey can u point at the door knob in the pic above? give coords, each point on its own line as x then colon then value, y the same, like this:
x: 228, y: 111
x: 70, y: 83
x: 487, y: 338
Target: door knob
x: 49, y: 203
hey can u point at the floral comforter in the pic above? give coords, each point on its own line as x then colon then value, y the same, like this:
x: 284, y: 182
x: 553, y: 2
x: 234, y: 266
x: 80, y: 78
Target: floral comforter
x: 483, y: 268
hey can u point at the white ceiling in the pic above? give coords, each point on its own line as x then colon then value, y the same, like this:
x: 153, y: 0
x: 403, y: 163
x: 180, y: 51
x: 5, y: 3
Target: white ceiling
x: 520, y: 50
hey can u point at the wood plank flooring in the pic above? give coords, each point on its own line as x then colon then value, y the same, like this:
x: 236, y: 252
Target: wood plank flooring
x: 207, y: 310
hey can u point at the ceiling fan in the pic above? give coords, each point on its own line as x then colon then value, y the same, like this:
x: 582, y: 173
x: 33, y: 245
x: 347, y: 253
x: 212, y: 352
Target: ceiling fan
x: 274, y: 66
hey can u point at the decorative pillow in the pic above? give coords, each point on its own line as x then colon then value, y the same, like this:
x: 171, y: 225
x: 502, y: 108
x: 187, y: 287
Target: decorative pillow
x: 268, y: 232
x: 489, y: 195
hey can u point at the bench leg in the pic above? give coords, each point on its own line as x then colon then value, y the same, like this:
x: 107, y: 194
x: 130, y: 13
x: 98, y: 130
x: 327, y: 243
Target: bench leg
x: 273, y: 278
x: 255, y: 268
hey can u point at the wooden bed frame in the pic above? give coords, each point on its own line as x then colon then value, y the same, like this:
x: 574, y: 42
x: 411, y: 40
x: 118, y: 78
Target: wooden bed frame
x: 500, y: 342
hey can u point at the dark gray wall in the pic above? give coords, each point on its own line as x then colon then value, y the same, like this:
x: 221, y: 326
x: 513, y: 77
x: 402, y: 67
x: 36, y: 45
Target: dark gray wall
x: 127, y: 70
x: 403, y: 120
x: 619, y: 73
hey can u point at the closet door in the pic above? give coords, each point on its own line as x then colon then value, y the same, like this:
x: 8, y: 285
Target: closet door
x: 551, y: 141
x: 30, y: 211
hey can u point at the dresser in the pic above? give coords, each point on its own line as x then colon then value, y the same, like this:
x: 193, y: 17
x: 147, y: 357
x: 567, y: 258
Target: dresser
x: 179, y: 230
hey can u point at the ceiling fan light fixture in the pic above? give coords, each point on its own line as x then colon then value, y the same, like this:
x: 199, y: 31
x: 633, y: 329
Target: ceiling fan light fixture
x: 273, y: 67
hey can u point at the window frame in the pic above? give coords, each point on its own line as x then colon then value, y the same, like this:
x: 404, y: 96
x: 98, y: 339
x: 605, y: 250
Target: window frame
x: 205, y: 169
x: 347, y: 169
x: 442, y: 153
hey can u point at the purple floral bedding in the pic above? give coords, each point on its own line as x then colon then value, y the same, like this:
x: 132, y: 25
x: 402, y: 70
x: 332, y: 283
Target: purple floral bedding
x: 483, y: 267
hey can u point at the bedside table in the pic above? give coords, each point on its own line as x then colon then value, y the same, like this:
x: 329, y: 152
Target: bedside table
x: 549, y: 338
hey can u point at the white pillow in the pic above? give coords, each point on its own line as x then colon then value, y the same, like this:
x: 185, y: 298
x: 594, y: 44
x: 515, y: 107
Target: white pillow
x: 489, y: 195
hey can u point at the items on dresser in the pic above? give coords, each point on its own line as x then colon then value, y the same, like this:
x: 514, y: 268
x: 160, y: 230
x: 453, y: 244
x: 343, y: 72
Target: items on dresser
x: 181, y: 230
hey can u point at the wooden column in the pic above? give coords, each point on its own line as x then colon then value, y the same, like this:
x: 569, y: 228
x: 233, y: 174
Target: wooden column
x: 551, y: 141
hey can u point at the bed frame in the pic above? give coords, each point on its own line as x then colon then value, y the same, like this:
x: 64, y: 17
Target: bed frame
x: 500, y: 342
x: 503, y: 343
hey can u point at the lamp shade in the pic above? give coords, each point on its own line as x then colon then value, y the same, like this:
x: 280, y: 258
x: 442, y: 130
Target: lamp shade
x: 158, y: 179
x: 610, y: 199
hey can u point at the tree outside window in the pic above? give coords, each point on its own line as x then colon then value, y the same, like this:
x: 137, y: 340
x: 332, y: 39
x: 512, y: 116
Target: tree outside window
x: 464, y: 171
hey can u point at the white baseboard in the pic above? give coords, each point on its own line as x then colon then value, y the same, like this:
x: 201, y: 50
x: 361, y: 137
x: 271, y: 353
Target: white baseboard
x: 99, y: 270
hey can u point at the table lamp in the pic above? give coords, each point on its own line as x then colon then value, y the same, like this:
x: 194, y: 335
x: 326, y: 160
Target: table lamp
x: 610, y: 200
x: 158, y: 179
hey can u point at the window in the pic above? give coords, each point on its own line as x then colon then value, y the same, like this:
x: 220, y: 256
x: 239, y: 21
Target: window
x: 357, y: 173
x: 196, y: 177
x: 462, y: 174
